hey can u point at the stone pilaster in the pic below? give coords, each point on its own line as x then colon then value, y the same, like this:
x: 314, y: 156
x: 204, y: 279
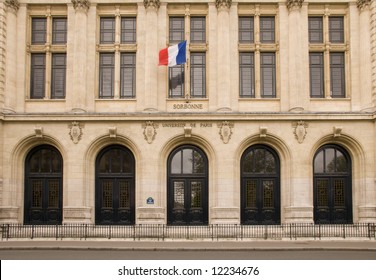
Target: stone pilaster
x: 151, y: 54
x: 223, y: 59
x: 373, y: 48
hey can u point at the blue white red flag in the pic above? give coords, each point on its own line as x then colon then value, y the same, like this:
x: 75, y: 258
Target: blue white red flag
x: 173, y: 55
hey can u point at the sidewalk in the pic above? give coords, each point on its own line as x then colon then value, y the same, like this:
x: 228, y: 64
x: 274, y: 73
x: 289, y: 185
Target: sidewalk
x: 364, y: 245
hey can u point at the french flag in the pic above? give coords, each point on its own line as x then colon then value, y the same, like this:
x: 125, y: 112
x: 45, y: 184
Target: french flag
x: 173, y: 55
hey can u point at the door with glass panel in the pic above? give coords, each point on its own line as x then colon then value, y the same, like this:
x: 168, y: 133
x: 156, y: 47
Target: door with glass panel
x: 260, y: 187
x: 332, y: 186
x: 43, y: 186
x: 187, y: 191
x: 115, y: 186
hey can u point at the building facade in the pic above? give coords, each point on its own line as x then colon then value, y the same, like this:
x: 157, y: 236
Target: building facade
x: 270, y: 121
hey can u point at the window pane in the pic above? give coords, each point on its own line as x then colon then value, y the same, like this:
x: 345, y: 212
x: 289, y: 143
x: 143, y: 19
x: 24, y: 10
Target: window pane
x: 315, y: 25
x: 128, y: 75
x: 316, y: 64
x: 107, y: 31
x: 38, y: 73
x: 336, y: 30
x: 176, y: 29
x: 268, y: 81
x: 267, y: 30
x: 319, y: 163
x: 247, y: 75
x: 198, y: 75
x: 106, y: 75
x: 58, y: 76
x: 128, y: 30
x: 337, y: 75
x: 198, y: 30
x: 246, y: 29
x: 59, y: 31
x: 176, y: 167
x: 38, y: 32
x: 176, y: 81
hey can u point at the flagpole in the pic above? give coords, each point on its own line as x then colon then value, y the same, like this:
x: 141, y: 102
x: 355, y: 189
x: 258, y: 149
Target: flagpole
x: 186, y: 76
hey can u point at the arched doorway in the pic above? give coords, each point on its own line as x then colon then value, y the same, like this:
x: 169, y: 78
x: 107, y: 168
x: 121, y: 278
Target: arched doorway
x: 332, y: 186
x: 187, y: 190
x: 43, y: 186
x: 260, y: 186
x: 115, y: 186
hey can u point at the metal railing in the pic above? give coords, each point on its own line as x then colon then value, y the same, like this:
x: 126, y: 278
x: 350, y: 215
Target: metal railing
x: 209, y: 232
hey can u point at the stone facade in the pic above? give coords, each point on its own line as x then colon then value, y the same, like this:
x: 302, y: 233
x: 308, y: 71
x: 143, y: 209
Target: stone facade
x: 223, y: 125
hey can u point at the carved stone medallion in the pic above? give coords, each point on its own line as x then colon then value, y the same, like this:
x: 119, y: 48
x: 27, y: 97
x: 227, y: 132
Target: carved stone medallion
x: 150, y: 131
x: 300, y: 130
x: 75, y: 131
x: 225, y: 131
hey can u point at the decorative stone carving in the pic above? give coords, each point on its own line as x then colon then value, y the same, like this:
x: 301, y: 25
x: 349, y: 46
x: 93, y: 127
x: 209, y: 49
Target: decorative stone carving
x: 81, y: 5
x: 362, y: 4
x: 294, y: 4
x: 225, y: 131
x: 153, y: 4
x: 75, y: 131
x: 38, y: 132
x: 188, y: 131
x: 112, y: 131
x: 150, y: 131
x: 263, y: 131
x: 223, y: 4
x: 12, y: 5
x: 337, y: 130
x: 300, y: 130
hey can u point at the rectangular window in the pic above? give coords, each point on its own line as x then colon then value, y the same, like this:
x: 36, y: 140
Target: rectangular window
x: 58, y: 76
x: 107, y: 30
x: 106, y: 75
x: 128, y: 75
x: 337, y: 75
x: 38, y: 31
x: 198, y: 30
x: 315, y: 26
x: 176, y: 30
x: 246, y: 30
x: 38, y: 76
x: 268, y: 79
x: 198, y: 75
x: 59, y: 31
x: 176, y: 81
x: 128, y: 30
x: 336, y: 29
x: 247, y: 74
x: 316, y: 67
x: 267, y: 29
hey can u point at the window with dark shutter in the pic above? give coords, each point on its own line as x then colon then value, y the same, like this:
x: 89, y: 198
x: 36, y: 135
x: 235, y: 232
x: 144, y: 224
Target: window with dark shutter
x: 176, y: 81
x: 246, y: 30
x: 128, y: 75
x: 336, y: 30
x: 38, y: 76
x: 38, y: 31
x: 247, y: 75
x: 58, y: 76
x: 198, y: 30
x: 198, y: 75
x: 316, y: 67
x: 267, y: 30
x: 176, y: 30
x: 59, y: 31
x: 106, y: 75
x: 315, y: 26
x: 337, y: 75
x: 268, y: 75
x: 107, y: 30
x: 128, y: 30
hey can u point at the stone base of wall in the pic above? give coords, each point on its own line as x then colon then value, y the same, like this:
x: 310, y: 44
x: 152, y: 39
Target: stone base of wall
x: 9, y: 215
x: 225, y: 215
x: 77, y: 215
x: 367, y: 214
x: 298, y: 214
x: 151, y: 215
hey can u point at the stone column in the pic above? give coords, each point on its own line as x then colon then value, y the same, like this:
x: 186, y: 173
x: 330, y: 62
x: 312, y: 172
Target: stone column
x: 78, y: 96
x: 295, y: 56
x: 151, y: 55
x: 10, y: 71
x: 372, y: 5
x: 223, y: 55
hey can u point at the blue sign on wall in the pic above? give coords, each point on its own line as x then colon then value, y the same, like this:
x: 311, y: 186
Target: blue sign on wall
x: 150, y: 200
